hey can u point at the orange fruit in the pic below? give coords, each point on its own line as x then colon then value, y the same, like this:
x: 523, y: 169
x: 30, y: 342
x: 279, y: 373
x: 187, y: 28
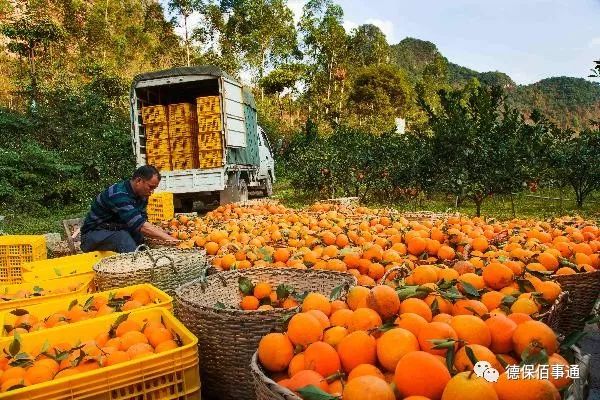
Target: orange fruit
x: 364, y: 319
x: 411, y: 322
x: 525, y: 306
x: 497, y: 276
x: 275, y: 351
x: 501, y: 330
x: 471, y: 329
x: 304, y: 329
x: 393, y: 345
x: 316, y: 301
x: 305, y: 378
x: 296, y: 364
x: 262, y: 290
x: 416, y: 306
x: 131, y: 338
x: 368, y: 387
x: 38, y: 374
x: 435, y: 331
x: 357, y: 297
x: 116, y: 357
x: 468, y: 386
x: 365, y: 369
x: 139, y: 350
x: 142, y: 296
x: 357, y: 348
x: 559, y: 382
x: 341, y: 318
x: 131, y: 305
x: 535, y: 334
x: 323, y: 358
x: 384, y: 300
x: 322, y: 318
x: 421, y: 374
x: 12, y: 372
x: 157, y: 336
x: 525, y: 388
x: 165, y: 346
x: 334, y: 335
x: 13, y: 383
x: 463, y: 363
x: 128, y: 326
x: 249, y: 303
x: 469, y: 307
x: 519, y: 318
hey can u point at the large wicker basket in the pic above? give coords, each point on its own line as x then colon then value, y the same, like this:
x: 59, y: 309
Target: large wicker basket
x: 583, y: 292
x: 266, y: 388
x: 228, y: 337
x: 553, y: 316
x: 164, y: 268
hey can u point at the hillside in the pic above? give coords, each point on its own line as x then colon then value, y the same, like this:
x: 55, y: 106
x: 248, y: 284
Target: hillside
x: 569, y: 102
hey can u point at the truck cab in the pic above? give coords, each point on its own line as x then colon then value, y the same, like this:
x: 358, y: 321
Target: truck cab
x: 198, y: 125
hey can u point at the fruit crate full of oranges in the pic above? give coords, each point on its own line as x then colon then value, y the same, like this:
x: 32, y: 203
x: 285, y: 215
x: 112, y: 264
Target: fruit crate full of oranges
x: 55, y: 268
x: 211, y: 158
x: 154, y: 114
x: 24, y: 294
x: 74, y: 309
x: 210, y: 141
x: 160, y: 207
x: 208, y: 105
x: 16, y: 250
x: 142, y: 355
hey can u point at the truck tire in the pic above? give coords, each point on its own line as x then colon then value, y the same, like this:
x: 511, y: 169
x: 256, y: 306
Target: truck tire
x: 243, y: 190
x: 268, y: 191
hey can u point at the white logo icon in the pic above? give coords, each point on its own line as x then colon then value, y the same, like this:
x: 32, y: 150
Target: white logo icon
x: 483, y: 369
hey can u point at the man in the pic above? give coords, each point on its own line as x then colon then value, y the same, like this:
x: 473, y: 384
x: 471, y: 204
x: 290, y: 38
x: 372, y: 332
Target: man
x: 117, y: 220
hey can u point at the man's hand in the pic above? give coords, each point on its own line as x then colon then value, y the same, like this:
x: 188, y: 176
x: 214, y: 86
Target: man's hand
x: 155, y: 232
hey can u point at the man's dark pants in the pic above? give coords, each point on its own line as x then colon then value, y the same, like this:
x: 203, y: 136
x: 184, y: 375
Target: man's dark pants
x: 119, y: 241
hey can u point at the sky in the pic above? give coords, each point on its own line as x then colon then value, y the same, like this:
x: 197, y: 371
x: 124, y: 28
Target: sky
x: 527, y: 39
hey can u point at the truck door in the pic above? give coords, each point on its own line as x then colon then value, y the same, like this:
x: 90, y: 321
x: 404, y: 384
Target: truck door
x: 233, y: 113
x: 267, y: 162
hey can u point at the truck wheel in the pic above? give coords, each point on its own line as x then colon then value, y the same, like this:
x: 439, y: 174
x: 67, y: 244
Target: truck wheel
x: 268, y: 191
x: 243, y: 191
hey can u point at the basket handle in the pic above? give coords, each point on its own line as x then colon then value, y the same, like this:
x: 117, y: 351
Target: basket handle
x: 142, y: 246
x: 405, y: 271
x: 171, y: 264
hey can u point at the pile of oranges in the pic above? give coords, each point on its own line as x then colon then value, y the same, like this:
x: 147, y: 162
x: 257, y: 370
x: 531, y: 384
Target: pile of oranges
x: 126, y: 340
x: 262, y: 296
x: 94, y: 306
x: 375, y: 346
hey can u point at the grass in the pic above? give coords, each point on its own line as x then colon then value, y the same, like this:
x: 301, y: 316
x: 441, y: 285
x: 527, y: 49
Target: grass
x: 499, y: 207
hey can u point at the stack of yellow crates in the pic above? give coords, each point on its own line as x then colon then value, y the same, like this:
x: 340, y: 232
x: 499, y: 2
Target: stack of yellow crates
x: 183, y: 132
x: 157, y: 136
x: 210, y: 125
x: 16, y: 250
x: 160, y: 207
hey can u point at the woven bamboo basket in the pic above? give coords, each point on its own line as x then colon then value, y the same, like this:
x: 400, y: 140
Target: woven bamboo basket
x: 583, y: 292
x: 164, y: 268
x: 229, y: 336
x: 266, y: 388
x: 553, y: 316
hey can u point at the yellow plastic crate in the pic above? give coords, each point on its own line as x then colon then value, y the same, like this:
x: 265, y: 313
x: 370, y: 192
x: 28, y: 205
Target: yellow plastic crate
x: 157, y: 146
x: 183, y: 130
x: 162, y: 162
x: 160, y: 207
x: 16, y: 250
x: 184, y: 164
x: 208, y: 105
x: 154, y: 114
x: 44, y: 310
x: 181, y: 111
x: 210, y: 123
x: 185, y: 144
x: 54, y: 287
x: 157, y: 131
x: 61, y: 267
x: 210, y: 141
x: 172, y: 374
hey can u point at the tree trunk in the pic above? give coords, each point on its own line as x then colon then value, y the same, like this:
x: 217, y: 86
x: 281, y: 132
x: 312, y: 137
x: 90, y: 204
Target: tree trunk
x: 187, y: 42
x: 478, y: 207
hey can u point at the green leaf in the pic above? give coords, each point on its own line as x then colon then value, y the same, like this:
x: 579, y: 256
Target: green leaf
x: 265, y: 254
x: 15, y: 345
x: 283, y: 291
x: 45, y: 346
x: 501, y: 360
x: 245, y: 285
x: 88, y: 303
x: 471, y: 355
x: 299, y: 297
x: 450, y: 359
x: 19, y: 312
x: 508, y: 300
x: 220, y: 305
x: 387, y: 326
x: 57, y: 272
x: 469, y: 289
x: 312, y: 392
x: 72, y: 304
x: 525, y: 286
x: 336, y: 293
x: 37, y: 289
x: 534, y: 355
x: 435, y: 307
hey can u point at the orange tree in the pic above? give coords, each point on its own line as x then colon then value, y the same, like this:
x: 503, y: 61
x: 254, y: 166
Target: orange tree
x: 480, y: 147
